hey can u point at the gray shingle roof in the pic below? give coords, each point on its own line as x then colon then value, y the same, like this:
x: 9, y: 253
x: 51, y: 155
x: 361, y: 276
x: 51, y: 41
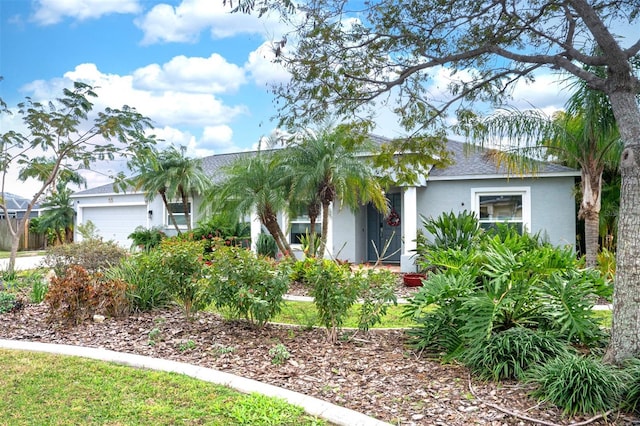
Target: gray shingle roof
x: 478, y: 163
x: 16, y: 203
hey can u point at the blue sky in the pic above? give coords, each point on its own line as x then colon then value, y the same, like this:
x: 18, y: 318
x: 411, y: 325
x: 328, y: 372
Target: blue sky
x: 200, y: 73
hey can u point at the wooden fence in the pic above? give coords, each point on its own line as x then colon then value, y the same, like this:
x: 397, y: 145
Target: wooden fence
x: 29, y: 240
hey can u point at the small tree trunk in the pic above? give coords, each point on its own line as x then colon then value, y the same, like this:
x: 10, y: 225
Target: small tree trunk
x: 325, y: 228
x: 591, y: 227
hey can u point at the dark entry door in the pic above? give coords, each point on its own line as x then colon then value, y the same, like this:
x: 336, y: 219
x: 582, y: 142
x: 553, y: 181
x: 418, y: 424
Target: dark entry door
x: 380, y: 232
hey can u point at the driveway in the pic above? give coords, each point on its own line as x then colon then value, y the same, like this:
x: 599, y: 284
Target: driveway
x: 27, y: 262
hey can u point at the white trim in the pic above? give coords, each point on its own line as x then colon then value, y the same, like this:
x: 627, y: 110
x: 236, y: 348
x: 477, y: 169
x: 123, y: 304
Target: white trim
x: 106, y: 194
x: 166, y: 222
x: 524, y: 191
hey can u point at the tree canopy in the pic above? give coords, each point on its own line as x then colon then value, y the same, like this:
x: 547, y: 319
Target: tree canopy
x: 349, y: 58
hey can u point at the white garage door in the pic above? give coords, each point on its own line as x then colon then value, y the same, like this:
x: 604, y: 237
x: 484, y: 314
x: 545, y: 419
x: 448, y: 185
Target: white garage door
x: 116, y: 222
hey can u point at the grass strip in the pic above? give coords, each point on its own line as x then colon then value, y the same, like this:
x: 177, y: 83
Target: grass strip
x: 60, y: 390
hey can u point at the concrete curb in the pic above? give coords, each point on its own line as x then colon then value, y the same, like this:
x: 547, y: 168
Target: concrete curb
x: 314, y: 406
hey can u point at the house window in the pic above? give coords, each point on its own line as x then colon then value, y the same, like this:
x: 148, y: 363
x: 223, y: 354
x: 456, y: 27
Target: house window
x: 178, y: 213
x: 301, y: 226
x: 500, y: 205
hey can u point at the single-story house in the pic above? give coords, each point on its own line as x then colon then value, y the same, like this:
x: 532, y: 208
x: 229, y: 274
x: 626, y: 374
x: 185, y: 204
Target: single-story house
x: 543, y: 202
x: 17, y: 207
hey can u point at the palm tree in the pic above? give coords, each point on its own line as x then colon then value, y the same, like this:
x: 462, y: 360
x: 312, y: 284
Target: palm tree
x: 254, y: 182
x: 324, y: 168
x: 59, y: 214
x: 172, y: 175
x: 584, y: 136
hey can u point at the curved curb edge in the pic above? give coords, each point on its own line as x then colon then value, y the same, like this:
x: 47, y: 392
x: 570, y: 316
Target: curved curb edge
x: 313, y: 406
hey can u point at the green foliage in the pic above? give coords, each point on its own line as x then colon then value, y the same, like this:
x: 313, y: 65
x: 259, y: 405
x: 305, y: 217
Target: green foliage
x: 88, y: 230
x: 77, y: 296
x: 7, y: 302
x: 377, y: 291
x: 607, y: 264
x: 147, y: 278
x: 577, y: 384
x: 453, y: 231
x: 91, y: 255
x: 631, y: 394
x: 222, y: 229
x: 248, y: 285
x: 505, y: 280
x: 279, y: 354
x: 509, y: 353
x: 39, y: 286
x: 146, y: 239
x: 182, y: 266
x: 333, y: 292
x: 266, y: 246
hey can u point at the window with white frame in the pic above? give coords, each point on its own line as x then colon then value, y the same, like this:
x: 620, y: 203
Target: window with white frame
x: 179, y: 214
x: 502, y: 205
x: 301, y: 227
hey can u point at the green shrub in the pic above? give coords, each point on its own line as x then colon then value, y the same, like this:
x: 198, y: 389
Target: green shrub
x: 577, y: 384
x: 334, y: 293
x: 266, y: 246
x: 631, y: 394
x: 376, y: 290
x: 508, y: 354
x: 7, y: 302
x: 183, y: 265
x: 146, y: 239
x: 92, y: 255
x: 222, y: 229
x: 147, y: 279
x: 39, y: 287
x: 506, y: 281
x: 453, y: 231
x: 249, y: 286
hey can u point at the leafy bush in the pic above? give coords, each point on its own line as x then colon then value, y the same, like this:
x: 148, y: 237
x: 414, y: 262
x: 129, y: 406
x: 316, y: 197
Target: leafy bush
x: 183, y: 268
x: 146, y: 277
x: 77, y: 296
x: 249, y: 286
x: 508, y: 354
x: 266, y: 245
x: 92, y: 255
x: 453, y: 231
x: 7, y: 302
x: 508, y: 281
x: 577, y: 384
x: 222, y: 229
x: 333, y: 292
x: 376, y: 290
x: 146, y: 239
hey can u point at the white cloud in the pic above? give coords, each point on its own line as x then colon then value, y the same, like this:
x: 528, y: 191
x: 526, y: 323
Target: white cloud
x: 262, y: 68
x: 185, y: 22
x: 165, y: 107
x: 195, y: 74
x: 547, y: 93
x: 49, y: 12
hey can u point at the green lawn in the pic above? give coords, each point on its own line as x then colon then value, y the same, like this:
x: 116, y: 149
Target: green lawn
x: 5, y: 254
x: 38, y: 388
x: 306, y: 315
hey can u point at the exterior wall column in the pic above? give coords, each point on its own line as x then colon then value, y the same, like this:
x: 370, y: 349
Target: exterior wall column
x: 256, y: 229
x: 409, y: 228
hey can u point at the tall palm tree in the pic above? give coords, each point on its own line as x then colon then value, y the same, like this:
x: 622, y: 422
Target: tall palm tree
x: 254, y: 182
x: 172, y: 175
x: 584, y: 136
x: 325, y: 169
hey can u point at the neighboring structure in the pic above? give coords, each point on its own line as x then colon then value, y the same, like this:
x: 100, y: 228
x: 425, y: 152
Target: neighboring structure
x: 17, y: 207
x: 542, y: 203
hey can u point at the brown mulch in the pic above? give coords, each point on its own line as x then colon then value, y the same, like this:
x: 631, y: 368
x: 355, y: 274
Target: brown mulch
x: 374, y: 373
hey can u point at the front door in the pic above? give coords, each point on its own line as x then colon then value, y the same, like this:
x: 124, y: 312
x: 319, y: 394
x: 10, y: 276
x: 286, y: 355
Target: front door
x: 383, y: 230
